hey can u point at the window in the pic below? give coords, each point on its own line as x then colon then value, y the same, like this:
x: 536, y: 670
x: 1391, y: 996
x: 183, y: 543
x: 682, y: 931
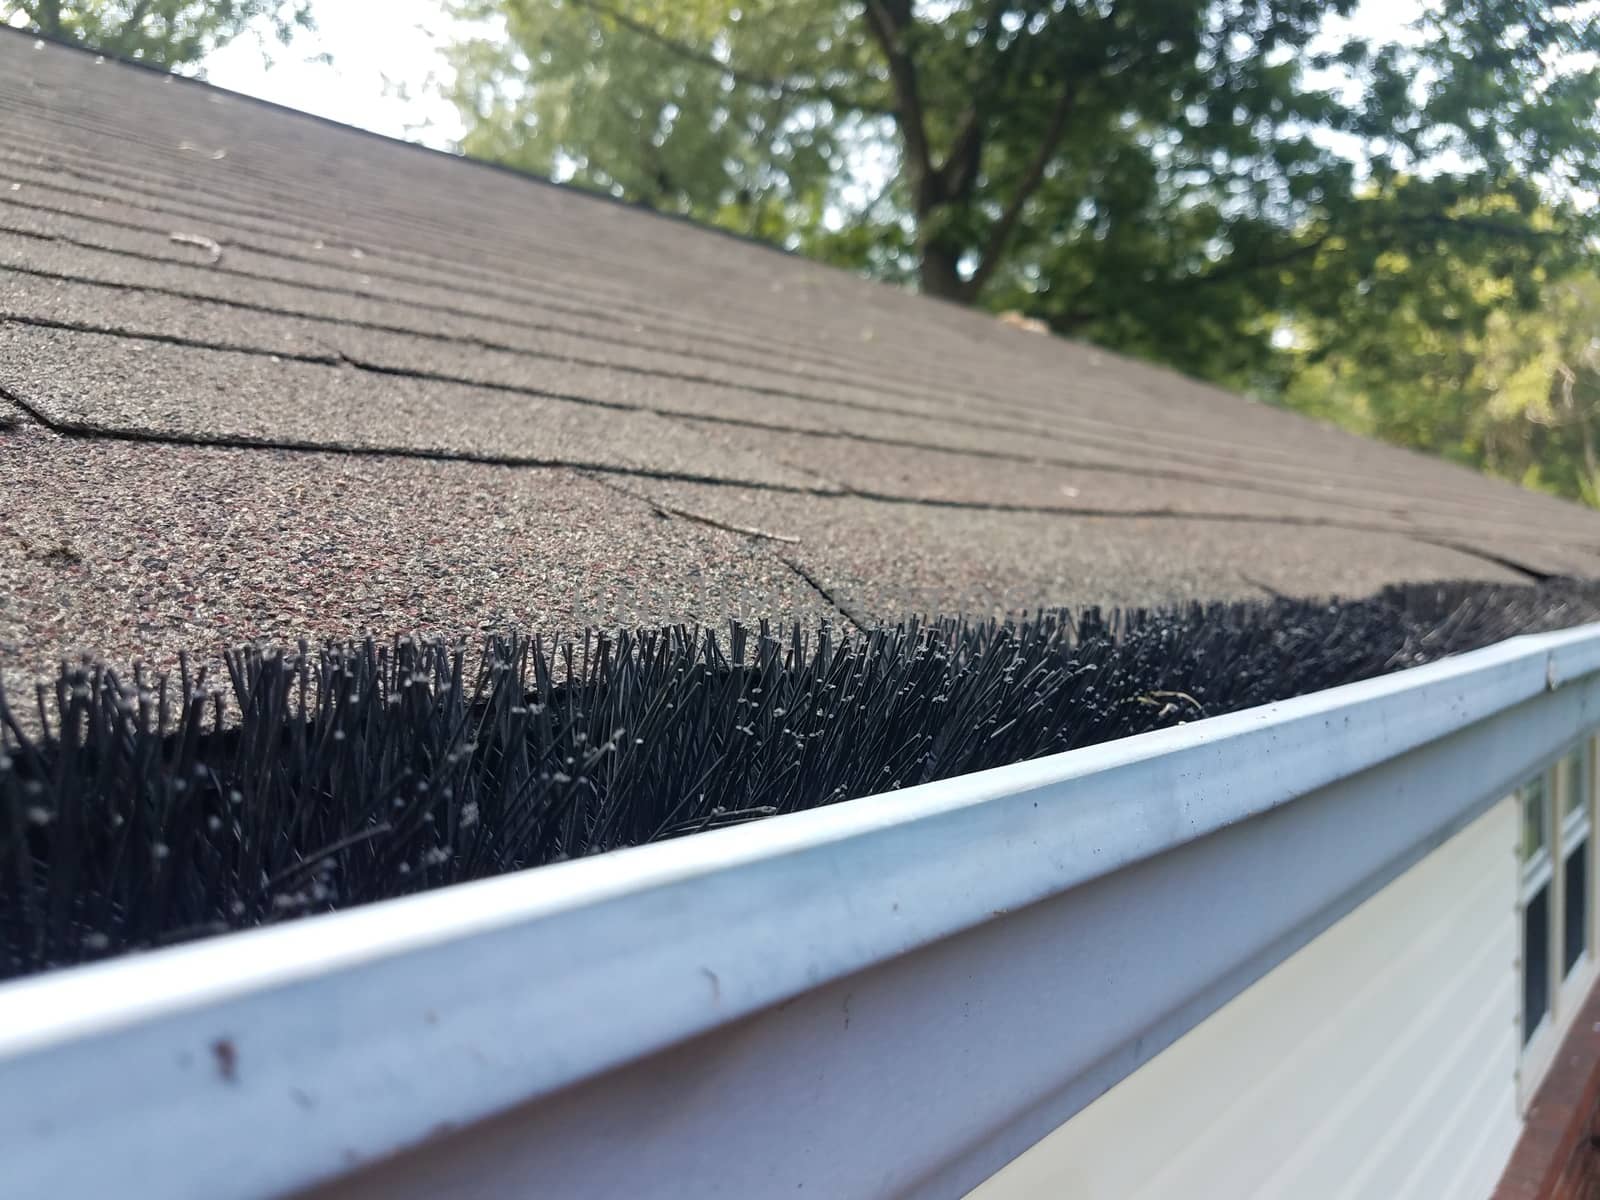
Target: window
x: 1537, y: 874
x: 1572, y: 787
x: 1556, y: 810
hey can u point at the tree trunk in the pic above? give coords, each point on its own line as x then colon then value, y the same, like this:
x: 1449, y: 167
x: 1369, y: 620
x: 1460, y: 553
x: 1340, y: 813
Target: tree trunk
x: 50, y: 18
x: 1591, y: 460
x: 940, y: 274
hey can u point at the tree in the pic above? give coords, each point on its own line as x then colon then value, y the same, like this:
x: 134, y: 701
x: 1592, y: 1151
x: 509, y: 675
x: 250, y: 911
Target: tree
x: 1168, y: 177
x: 1518, y: 396
x: 162, y: 33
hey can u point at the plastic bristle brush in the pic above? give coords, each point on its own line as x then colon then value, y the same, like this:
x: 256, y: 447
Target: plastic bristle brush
x: 140, y: 810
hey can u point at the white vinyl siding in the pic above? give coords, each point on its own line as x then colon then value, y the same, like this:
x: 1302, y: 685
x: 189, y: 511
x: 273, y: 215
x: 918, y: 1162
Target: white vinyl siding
x: 1380, y: 1060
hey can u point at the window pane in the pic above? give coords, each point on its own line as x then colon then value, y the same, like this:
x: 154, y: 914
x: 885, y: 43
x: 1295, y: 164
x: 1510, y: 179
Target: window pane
x: 1535, y: 961
x: 1576, y: 915
x: 1535, y: 832
x: 1571, y: 768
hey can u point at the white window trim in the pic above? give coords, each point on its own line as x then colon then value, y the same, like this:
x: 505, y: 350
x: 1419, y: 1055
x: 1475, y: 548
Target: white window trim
x: 1572, y: 829
x: 1565, y: 996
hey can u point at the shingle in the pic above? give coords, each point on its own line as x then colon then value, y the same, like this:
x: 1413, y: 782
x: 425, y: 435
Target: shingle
x: 1376, y: 486
x: 1099, y: 387
x: 886, y: 560
x: 227, y: 325
x: 112, y: 309
x: 866, y: 465
x: 717, y: 318
x: 1540, y: 556
x: 156, y: 314
x: 951, y: 477
x: 122, y: 385
x: 1033, y: 477
x: 138, y: 550
x: 1103, y: 393
x: 631, y: 352
x: 1163, y: 486
x: 46, y: 203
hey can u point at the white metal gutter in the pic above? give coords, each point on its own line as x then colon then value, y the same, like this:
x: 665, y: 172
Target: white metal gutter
x: 892, y: 996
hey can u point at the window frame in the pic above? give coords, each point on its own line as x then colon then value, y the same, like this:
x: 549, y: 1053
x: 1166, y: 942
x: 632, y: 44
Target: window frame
x: 1575, y: 830
x: 1564, y: 831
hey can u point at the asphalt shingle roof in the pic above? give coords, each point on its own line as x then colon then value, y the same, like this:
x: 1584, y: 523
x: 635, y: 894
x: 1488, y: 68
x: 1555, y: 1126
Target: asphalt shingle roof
x: 267, y: 376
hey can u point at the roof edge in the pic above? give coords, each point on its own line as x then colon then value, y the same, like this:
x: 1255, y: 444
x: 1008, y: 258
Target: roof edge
x: 501, y: 168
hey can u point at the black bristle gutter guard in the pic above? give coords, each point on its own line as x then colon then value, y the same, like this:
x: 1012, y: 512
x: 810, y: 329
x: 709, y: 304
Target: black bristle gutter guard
x: 160, y: 810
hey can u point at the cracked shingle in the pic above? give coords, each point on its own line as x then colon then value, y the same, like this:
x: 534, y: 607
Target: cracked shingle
x: 890, y: 561
x: 136, y: 550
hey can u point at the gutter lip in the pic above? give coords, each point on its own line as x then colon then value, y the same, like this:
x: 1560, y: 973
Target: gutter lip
x: 820, y: 894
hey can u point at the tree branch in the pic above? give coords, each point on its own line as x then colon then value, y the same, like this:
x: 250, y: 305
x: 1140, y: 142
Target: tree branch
x: 1520, y: 233
x: 887, y: 20
x: 960, y: 168
x: 1233, y: 269
x: 1000, y: 232
x: 786, y: 88
x: 130, y: 27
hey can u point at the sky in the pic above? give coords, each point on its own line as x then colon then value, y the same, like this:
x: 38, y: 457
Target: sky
x: 377, y: 47
x: 387, y: 68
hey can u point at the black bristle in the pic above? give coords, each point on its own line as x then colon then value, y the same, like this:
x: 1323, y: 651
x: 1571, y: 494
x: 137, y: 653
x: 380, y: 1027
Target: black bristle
x: 132, y: 817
